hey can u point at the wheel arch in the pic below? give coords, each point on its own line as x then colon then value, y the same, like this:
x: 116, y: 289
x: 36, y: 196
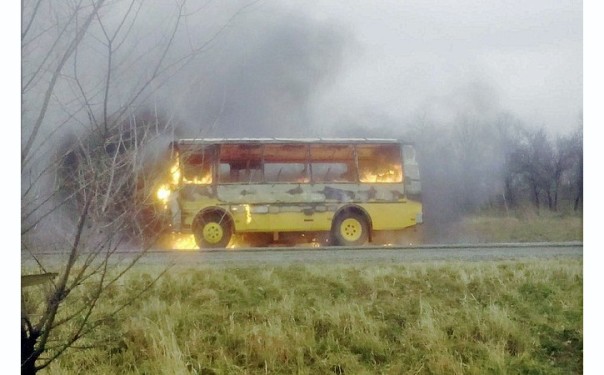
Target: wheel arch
x: 210, y: 211
x: 354, y: 208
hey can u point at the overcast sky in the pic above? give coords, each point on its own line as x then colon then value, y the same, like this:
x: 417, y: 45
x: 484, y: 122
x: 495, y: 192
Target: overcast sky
x: 444, y: 58
x: 298, y: 67
x: 303, y: 68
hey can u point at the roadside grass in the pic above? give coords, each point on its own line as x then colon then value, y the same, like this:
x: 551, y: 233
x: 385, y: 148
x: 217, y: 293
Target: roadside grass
x: 421, y: 318
x: 523, y: 225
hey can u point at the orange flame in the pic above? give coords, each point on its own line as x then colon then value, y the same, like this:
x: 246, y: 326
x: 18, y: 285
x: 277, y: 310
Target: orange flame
x: 391, y: 174
x: 163, y: 193
x: 183, y: 242
x: 207, y: 179
x: 186, y: 241
x: 175, y: 172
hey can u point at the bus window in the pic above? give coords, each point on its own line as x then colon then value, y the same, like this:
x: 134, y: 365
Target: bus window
x: 240, y: 164
x: 197, y: 166
x: 240, y: 172
x: 380, y: 163
x: 332, y: 163
x: 285, y: 172
x: 331, y: 172
x: 286, y: 163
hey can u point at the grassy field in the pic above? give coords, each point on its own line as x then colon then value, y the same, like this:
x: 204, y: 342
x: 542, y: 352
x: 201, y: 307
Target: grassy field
x: 524, y: 225
x: 438, y: 318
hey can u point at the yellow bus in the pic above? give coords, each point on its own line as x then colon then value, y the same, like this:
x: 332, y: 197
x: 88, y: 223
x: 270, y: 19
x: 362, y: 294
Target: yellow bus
x: 349, y: 189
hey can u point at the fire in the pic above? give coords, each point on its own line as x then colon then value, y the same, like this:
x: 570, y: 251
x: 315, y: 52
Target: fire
x: 165, y: 190
x: 392, y: 174
x: 186, y: 241
x: 175, y: 172
x: 207, y: 179
x: 175, y: 178
x: 183, y: 242
x: 248, y: 213
x: 163, y: 193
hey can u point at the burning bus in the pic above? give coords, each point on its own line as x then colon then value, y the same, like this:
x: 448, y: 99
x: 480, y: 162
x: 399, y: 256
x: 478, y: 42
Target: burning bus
x: 349, y: 190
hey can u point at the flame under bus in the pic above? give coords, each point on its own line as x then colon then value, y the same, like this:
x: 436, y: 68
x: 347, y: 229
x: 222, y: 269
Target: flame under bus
x: 349, y: 189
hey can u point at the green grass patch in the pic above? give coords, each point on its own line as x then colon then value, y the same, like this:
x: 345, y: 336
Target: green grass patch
x: 522, y: 226
x: 463, y: 318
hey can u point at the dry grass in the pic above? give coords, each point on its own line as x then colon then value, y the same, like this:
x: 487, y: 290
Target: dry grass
x: 466, y: 318
x: 523, y: 226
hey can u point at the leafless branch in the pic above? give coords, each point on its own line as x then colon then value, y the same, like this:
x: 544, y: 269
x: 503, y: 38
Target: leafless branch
x: 49, y: 90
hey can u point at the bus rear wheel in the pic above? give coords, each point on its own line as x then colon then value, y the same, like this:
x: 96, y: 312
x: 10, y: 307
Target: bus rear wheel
x: 350, y: 229
x: 212, y: 231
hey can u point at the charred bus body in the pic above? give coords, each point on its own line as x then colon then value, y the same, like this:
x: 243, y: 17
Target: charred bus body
x: 350, y: 189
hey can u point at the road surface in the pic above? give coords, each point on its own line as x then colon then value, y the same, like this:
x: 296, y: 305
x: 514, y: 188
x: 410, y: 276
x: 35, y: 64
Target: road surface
x: 348, y: 255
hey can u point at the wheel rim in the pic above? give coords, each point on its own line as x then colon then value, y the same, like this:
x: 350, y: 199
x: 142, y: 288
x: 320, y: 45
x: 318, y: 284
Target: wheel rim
x: 212, y: 233
x: 351, y: 229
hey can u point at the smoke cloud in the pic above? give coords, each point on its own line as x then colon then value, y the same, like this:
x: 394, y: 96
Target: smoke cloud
x: 260, y: 80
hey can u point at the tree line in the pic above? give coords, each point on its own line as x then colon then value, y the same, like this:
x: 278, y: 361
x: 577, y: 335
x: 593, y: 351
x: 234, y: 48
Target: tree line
x: 499, y: 163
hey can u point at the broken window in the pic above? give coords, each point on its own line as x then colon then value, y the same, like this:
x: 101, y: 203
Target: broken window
x: 380, y: 163
x: 286, y: 163
x: 196, y: 166
x: 332, y: 163
x: 240, y: 164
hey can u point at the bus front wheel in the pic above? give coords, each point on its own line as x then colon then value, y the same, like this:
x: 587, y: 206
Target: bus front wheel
x: 212, y: 230
x: 350, y: 229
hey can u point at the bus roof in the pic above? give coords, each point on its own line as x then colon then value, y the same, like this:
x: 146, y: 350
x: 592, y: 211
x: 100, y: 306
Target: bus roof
x: 208, y: 141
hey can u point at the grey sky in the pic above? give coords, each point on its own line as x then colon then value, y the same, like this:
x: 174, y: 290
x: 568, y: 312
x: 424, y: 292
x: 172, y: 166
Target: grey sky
x: 443, y: 58
x: 299, y: 68
x: 302, y: 68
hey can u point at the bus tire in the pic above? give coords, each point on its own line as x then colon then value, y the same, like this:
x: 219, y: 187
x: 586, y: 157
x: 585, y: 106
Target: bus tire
x: 212, y: 230
x: 350, y: 229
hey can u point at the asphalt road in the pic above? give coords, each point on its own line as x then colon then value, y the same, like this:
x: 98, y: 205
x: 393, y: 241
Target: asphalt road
x: 275, y: 256
x: 364, y: 255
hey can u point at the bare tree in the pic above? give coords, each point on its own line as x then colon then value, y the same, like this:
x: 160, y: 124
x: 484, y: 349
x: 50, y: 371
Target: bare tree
x: 543, y: 168
x: 50, y: 328
x: 575, y: 154
x: 531, y: 161
x: 566, y: 156
x: 88, y: 75
x: 510, y: 133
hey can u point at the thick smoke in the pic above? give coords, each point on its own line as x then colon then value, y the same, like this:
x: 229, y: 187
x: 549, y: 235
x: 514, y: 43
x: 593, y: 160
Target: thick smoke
x: 246, y: 70
x: 260, y: 80
x: 459, y: 138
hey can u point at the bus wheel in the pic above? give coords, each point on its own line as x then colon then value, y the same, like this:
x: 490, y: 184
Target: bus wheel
x: 212, y: 230
x: 350, y: 229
